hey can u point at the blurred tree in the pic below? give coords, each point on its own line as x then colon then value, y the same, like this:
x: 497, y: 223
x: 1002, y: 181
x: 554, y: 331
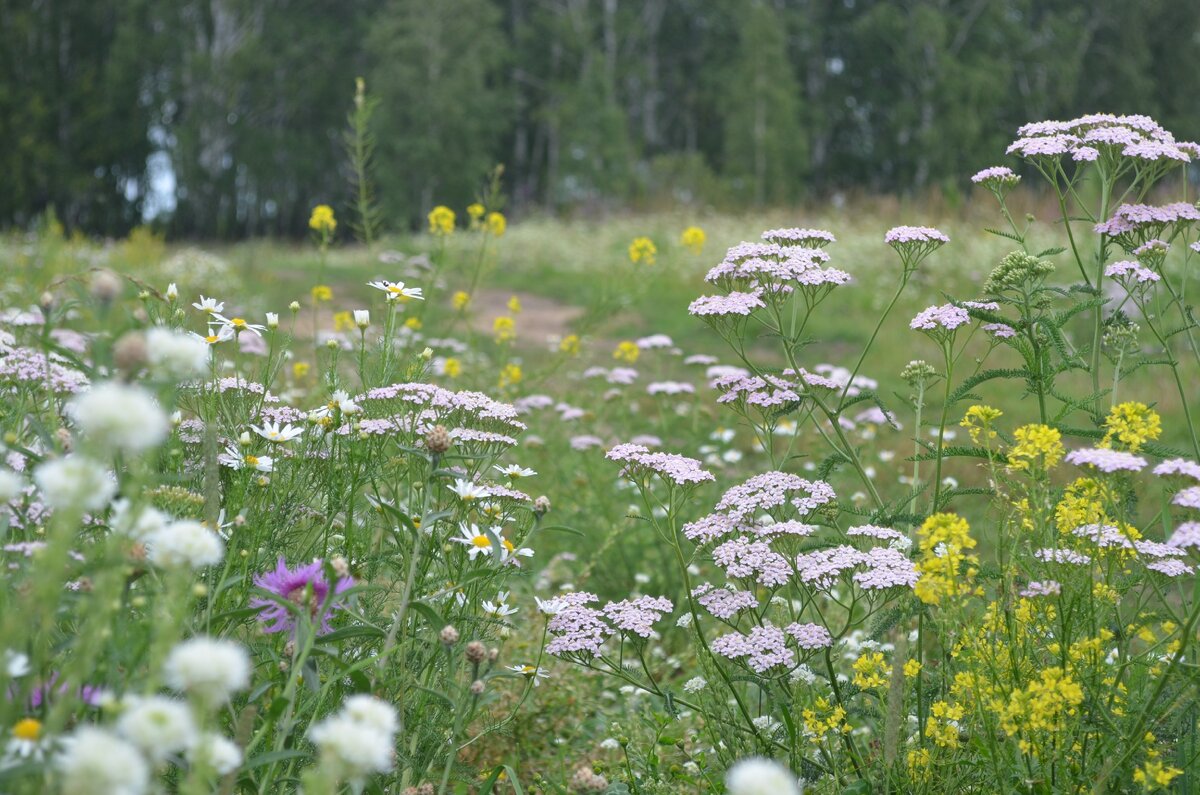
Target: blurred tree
x: 77, y: 99
x: 764, y: 142
x: 587, y: 102
x: 443, y: 110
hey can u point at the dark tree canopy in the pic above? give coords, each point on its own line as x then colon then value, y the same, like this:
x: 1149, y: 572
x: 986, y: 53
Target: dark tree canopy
x: 243, y: 103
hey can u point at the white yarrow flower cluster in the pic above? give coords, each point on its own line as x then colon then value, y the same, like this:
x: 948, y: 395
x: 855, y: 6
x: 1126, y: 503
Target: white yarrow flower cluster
x: 122, y: 416
x: 208, y: 669
x: 185, y: 543
x: 175, y: 356
x: 216, y: 752
x: 11, y: 486
x: 359, y: 740
x: 75, y: 482
x: 758, y: 776
x: 95, y: 762
x: 159, y: 726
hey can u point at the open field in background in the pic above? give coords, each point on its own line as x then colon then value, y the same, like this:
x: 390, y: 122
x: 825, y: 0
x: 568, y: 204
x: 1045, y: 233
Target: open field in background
x: 574, y: 277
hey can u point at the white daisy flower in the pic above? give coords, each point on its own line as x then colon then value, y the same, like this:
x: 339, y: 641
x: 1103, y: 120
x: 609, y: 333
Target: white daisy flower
x: 278, y: 432
x: 210, y: 305
x: 515, y: 471
x: 396, y: 290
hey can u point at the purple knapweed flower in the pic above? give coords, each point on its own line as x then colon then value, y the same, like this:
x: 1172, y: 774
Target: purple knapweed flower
x: 305, y: 586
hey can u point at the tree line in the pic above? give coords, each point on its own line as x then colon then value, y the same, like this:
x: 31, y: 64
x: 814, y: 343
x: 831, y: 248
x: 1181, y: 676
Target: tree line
x: 236, y: 111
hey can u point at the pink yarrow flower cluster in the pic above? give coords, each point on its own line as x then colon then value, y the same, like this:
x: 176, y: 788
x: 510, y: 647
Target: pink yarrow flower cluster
x: 678, y: 469
x: 1107, y: 460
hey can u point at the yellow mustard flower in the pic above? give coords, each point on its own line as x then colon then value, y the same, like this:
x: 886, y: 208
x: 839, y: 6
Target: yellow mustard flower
x: 343, y: 321
x: 870, y: 670
x: 497, y: 224
x: 475, y: 210
x: 511, y: 374
x: 300, y: 369
x: 441, y: 220
x: 627, y: 352
x: 693, y: 239
x: 1037, y: 447
x: 514, y: 305
x: 413, y: 323
x: 504, y: 329
x: 978, y: 422
x: 322, y: 221
x: 452, y: 367
x: 570, y: 345
x: 642, y: 250
x: 322, y: 292
x: 460, y: 300
x: 1132, y: 424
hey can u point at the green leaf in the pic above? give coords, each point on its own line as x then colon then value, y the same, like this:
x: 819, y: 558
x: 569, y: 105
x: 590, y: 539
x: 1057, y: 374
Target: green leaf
x: 273, y: 756
x: 561, y: 528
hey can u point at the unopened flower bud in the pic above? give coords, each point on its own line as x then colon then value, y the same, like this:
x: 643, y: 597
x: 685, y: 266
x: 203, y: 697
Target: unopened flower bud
x: 130, y: 353
x: 294, y: 306
x: 172, y: 292
x: 438, y: 439
x: 477, y: 687
x: 541, y: 506
x: 272, y: 320
x: 106, y: 285
x: 476, y: 651
x: 362, y: 318
x: 449, y: 635
x: 493, y: 654
x: 340, y: 566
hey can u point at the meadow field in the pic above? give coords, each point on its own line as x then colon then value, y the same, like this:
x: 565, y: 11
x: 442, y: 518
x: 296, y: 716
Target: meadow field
x: 866, y: 496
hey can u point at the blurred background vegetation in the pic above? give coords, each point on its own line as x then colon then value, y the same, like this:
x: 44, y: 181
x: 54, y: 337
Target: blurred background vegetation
x: 227, y: 118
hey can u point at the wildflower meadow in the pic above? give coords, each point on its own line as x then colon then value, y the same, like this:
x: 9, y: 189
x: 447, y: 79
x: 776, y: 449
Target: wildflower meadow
x: 853, y: 501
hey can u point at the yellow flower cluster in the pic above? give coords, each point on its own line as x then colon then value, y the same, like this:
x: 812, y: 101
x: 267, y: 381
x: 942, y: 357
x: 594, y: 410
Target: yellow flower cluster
x: 570, y: 345
x: 824, y: 719
x: 942, y: 724
x: 642, y: 250
x: 1038, y: 447
x: 514, y: 305
x: 322, y: 221
x: 1041, y: 708
x: 504, y: 329
x: 978, y: 422
x: 322, y: 293
x: 510, y: 375
x: 460, y: 300
x: 1132, y: 424
x: 947, y: 569
x: 1153, y: 774
x: 496, y: 224
x: 870, y: 670
x: 693, y: 239
x: 627, y: 352
x: 441, y: 220
x: 1083, y: 502
x: 452, y: 367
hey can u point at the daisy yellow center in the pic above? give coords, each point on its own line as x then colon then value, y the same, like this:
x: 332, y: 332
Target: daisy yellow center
x: 252, y: 460
x: 483, y: 542
x: 237, y: 321
x: 395, y: 288
x: 527, y: 670
x: 212, y: 339
x: 507, y: 544
x: 28, y: 729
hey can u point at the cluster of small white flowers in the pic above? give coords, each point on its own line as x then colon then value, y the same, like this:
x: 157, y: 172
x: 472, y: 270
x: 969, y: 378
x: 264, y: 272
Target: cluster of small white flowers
x: 121, y: 416
x: 358, y: 740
